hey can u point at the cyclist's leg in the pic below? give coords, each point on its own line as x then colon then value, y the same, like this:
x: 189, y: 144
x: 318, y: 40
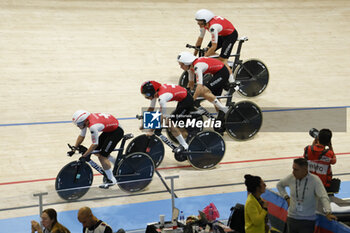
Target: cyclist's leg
x: 179, y: 113
x: 215, y: 86
x: 186, y: 106
x: 107, y: 144
x: 227, y: 45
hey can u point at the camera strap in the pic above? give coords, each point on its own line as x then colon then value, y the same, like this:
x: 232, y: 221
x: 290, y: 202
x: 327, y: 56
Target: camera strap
x: 323, y: 153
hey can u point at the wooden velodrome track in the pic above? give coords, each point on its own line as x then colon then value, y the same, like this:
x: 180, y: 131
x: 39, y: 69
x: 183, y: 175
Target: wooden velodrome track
x: 60, y: 56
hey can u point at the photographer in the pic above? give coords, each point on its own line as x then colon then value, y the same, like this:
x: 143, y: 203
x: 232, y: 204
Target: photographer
x: 320, y: 156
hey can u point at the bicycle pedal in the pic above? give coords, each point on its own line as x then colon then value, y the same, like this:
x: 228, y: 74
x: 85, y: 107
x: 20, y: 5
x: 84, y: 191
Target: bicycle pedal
x: 178, y: 149
x: 106, y: 186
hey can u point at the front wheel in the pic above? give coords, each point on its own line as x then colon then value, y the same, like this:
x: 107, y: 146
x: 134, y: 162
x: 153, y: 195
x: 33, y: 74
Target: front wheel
x: 135, y: 172
x: 253, y: 76
x: 74, y: 180
x: 243, y: 120
x: 206, y: 150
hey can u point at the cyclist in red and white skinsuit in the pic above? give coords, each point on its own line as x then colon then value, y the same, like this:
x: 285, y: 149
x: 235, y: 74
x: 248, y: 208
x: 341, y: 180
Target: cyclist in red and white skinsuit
x: 165, y: 93
x: 205, y: 65
x: 111, y: 134
x: 223, y: 35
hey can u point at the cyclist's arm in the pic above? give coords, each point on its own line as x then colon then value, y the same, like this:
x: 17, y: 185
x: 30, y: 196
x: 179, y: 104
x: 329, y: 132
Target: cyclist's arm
x: 214, y: 30
x: 152, y: 105
x: 80, y: 138
x: 94, y: 129
x: 150, y: 109
x: 200, y: 39
x: 163, y: 99
x: 190, y: 79
x: 199, y: 69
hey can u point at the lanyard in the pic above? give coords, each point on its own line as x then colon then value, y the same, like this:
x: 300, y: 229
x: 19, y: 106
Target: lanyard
x: 296, y: 189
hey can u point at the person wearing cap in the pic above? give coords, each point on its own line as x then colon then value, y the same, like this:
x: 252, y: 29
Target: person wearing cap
x: 223, y: 35
x: 105, y: 142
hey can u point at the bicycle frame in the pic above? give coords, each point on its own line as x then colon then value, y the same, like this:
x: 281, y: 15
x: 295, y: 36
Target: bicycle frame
x: 165, y: 139
x: 120, y: 155
x: 173, y: 146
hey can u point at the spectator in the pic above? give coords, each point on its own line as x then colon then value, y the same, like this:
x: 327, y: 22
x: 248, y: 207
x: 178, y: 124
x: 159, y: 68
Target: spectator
x: 50, y: 223
x: 90, y: 223
x: 305, y: 188
x: 255, y: 209
x: 320, y: 157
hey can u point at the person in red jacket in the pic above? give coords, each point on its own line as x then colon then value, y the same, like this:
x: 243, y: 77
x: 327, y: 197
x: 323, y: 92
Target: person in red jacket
x: 223, y: 35
x: 320, y: 156
x: 111, y: 134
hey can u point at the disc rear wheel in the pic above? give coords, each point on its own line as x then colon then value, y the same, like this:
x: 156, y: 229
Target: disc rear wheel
x: 253, y: 76
x: 206, y: 150
x: 150, y: 145
x: 243, y: 120
x: 135, y: 172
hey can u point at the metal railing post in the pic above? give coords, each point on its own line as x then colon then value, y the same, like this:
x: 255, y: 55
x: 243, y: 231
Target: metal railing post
x: 171, y: 178
x: 40, y: 195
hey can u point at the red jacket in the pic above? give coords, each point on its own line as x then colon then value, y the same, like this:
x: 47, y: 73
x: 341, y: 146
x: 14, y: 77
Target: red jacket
x: 320, y: 160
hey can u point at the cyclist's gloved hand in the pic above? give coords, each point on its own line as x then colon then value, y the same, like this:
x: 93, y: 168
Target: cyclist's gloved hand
x: 82, y: 159
x: 197, y: 103
x: 82, y: 149
x: 70, y: 153
x: 157, y: 132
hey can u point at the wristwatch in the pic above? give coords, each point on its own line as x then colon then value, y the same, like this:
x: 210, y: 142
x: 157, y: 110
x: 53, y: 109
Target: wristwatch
x: 286, y: 197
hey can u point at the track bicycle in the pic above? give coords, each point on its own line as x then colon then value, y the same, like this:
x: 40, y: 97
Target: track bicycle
x: 242, y: 121
x: 205, y: 149
x: 133, y: 172
x: 252, y: 73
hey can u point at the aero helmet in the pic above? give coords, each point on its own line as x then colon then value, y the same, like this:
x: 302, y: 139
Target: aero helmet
x: 149, y: 88
x: 186, y: 58
x: 80, y: 116
x: 205, y: 15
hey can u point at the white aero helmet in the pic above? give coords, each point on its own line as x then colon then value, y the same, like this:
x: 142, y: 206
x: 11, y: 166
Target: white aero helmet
x: 204, y: 14
x: 186, y: 57
x: 80, y: 116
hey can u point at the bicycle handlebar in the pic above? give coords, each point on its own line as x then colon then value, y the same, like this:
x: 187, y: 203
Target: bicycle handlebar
x: 196, y: 48
x: 203, y: 50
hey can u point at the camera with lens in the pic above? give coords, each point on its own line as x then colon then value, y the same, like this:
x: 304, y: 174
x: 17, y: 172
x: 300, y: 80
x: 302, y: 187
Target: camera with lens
x: 313, y: 132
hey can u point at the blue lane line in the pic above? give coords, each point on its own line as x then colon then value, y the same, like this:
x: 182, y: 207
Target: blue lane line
x: 53, y: 122
x: 305, y: 109
x: 132, y: 118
